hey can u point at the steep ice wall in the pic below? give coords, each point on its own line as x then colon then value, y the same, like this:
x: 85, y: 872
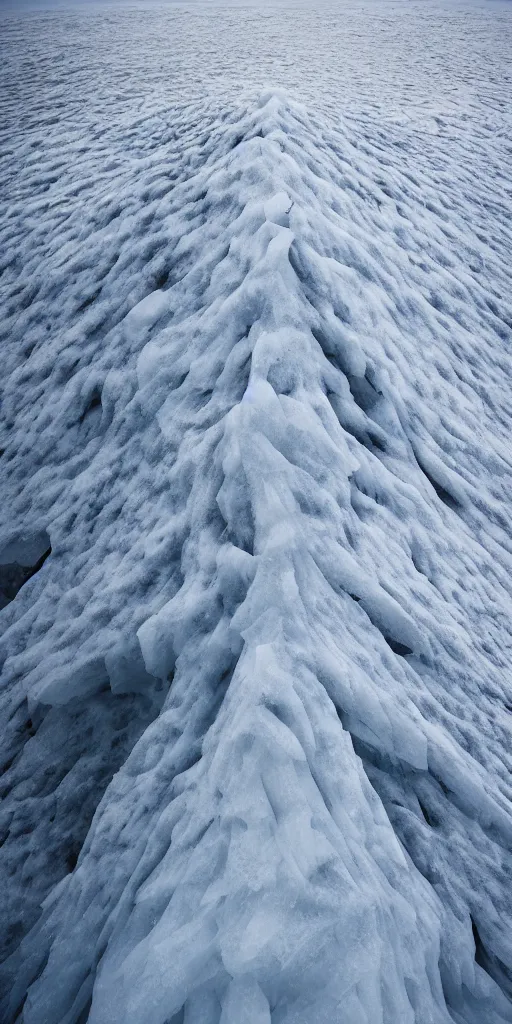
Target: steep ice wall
x: 258, y: 692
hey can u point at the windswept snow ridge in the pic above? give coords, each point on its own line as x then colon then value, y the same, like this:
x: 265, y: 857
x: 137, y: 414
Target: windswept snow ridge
x: 256, y: 530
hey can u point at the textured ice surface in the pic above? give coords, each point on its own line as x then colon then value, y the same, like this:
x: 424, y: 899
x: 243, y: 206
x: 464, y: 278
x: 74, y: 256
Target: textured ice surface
x: 255, y: 543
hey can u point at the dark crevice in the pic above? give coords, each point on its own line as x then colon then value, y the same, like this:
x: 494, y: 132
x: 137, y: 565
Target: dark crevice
x: 491, y: 964
x: 180, y: 381
x: 377, y: 442
x: 329, y: 355
x: 372, y: 757
x: 342, y: 717
x: 425, y: 814
x: 178, y: 1017
x: 363, y: 392
x: 89, y: 301
x: 202, y: 831
x: 84, y: 1016
x: 162, y: 279
x: 17, y: 1016
x: 13, y: 577
x: 397, y: 647
x: 448, y: 499
x: 93, y: 403
x: 444, y: 788
x: 72, y: 858
x: 369, y: 439
x: 477, y: 940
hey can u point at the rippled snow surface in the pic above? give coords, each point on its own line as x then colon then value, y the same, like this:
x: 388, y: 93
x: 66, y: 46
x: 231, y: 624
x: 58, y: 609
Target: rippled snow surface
x: 255, y: 527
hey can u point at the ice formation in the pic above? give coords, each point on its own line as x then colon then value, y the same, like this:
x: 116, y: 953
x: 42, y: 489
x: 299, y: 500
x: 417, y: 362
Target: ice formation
x: 255, y: 557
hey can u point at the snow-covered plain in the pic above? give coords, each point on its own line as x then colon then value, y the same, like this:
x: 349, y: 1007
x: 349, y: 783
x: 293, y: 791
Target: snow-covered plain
x: 255, y: 541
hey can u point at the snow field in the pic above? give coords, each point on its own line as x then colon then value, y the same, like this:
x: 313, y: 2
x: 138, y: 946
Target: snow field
x: 258, y: 694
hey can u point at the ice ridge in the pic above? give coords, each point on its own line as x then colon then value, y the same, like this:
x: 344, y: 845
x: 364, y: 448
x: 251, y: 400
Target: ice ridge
x: 260, y: 679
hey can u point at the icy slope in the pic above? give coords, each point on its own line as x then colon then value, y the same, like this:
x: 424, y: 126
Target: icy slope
x: 256, y: 416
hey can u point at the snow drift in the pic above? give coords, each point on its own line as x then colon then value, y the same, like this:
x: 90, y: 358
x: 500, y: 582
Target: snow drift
x: 256, y: 696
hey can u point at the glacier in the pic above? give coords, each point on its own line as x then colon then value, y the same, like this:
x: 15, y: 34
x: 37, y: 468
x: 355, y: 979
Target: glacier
x: 255, y: 544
